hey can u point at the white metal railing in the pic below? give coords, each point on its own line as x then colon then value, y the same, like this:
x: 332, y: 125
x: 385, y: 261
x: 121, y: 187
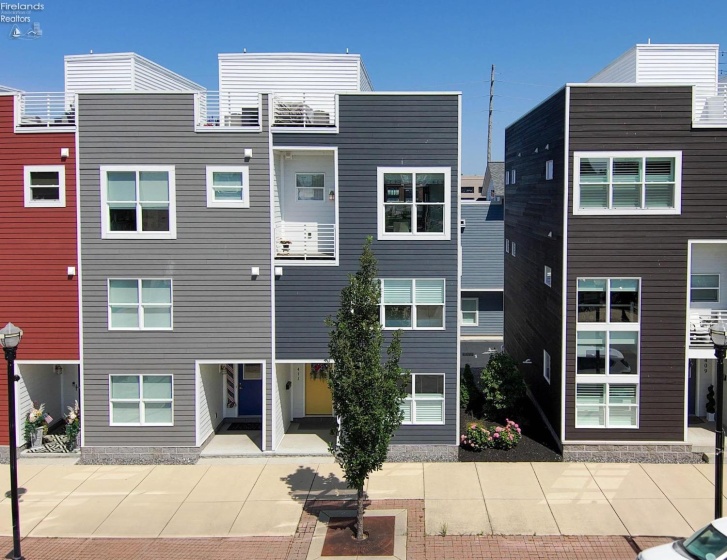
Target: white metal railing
x: 715, y: 108
x: 304, y: 110
x: 306, y: 241
x: 227, y: 109
x: 41, y: 111
x: 700, y: 321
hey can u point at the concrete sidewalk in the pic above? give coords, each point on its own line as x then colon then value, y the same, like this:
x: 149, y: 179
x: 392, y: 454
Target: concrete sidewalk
x: 239, y: 498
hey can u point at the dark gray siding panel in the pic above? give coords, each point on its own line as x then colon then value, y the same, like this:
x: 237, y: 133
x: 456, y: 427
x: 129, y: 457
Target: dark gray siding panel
x: 653, y: 248
x: 534, y: 222
x: 482, y: 246
x: 375, y: 131
x: 220, y: 311
x: 490, y: 314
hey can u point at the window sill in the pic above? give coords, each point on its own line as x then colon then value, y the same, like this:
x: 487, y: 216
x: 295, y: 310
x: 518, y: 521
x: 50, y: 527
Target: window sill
x: 137, y: 236
x: 625, y: 212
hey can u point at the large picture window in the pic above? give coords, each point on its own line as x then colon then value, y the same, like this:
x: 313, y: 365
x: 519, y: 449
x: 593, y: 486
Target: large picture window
x: 414, y: 202
x: 140, y: 304
x: 412, y: 304
x: 627, y: 182
x: 141, y: 400
x: 138, y: 202
x: 424, y: 402
x: 607, y: 352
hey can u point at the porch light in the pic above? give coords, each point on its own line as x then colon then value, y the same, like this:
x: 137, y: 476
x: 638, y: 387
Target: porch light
x: 719, y: 338
x: 331, y: 196
x: 718, y: 333
x: 10, y: 336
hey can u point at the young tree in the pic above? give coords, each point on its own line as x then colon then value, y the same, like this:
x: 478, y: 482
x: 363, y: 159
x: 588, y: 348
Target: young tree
x: 366, y: 393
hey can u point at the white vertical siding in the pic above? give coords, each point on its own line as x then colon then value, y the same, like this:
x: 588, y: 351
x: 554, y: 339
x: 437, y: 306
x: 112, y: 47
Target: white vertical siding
x: 209, y: 400
x: 278, y: 170
x: 620, y: 71
x: 281, y: 406
x: 365, y: 82
x: 150, y: 76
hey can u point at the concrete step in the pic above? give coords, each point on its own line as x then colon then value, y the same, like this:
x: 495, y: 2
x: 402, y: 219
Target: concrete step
x: 708, y: 457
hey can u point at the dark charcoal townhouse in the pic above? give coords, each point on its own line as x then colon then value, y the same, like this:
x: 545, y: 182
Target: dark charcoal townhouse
x: 217, y: 230
x: 615, y: 250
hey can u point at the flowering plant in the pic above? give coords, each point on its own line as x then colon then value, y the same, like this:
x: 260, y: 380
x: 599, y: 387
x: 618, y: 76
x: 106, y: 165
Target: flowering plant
x: 36, y: 418
x: 73, y: 424
x: 480, y: 436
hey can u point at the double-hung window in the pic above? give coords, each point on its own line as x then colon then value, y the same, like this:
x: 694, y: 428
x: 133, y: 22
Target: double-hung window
x: 424, y: 401
x: 704, y: 288
x: 141, y: 400
x: 140, y: 304
x: 228, y: 186
x: 310, y: 186
x: 138, y: 202
x: 607, y: 353
x: 45, y: 185
x: 627, y: 182
x: 412, y: 304
x: 414, y: 202
x: 470, y: 312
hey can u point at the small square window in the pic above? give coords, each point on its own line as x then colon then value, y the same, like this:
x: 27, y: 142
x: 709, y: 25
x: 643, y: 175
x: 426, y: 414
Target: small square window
x: 470, y: 312
x: 514, y: 249
x: 513, y: 176
x: 140, y: 304
x: 45, y: 186
x: 704, y: 288
x: 549, y: 170
x: 141, y: 400
x: 507, y: 245
x: 546, y: 366
x: 507, y: 177
x: 548, y: 276
x: 228, y: 186
x: 310, y: 186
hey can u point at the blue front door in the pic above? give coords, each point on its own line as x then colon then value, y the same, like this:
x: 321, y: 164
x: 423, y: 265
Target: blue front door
x: 250, y: 396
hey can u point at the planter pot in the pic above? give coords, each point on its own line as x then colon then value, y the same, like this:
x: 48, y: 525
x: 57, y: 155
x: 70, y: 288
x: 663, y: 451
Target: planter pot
x: 710, y: 417
x: 36, y: 438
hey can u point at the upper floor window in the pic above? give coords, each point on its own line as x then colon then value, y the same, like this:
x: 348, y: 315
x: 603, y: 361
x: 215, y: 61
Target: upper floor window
x: 604, y: 300
x: 45, y: 185
x: 138, y: 202
x: 548, y: 276
x: 412, y: 304
x: 140, y: 304
x: 704, y: 288
x: 310, y: 186
x: 228, y: 186
x: 549, y: 170
x: 470, y: 313
x: 627, y: 182
x: 414, y: 202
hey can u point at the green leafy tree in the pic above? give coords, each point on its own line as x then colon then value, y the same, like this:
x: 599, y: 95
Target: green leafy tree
x: 503, y: 387
x: 470, y: 396
x: 366, y: 393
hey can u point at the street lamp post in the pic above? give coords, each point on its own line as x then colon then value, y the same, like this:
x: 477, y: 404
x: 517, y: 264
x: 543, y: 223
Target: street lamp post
x: 10, y: 336
x: 718, y: 333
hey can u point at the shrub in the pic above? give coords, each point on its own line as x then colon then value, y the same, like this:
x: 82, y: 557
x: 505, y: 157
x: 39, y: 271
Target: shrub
x: 503, y: 387
x: 481, y: 436
x: 710, y: 400
x: 470, y: 396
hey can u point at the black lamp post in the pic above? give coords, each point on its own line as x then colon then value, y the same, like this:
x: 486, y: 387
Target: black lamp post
x: 718, y: 333
x: 10, y: 336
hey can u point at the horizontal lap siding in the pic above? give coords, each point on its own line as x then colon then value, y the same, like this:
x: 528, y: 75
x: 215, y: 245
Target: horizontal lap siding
x: 220, y: 311
x: 378, y: 131
x: 489, y: 314
x: 482, y: 246
x: 534, y: 222
x: 653, y: 248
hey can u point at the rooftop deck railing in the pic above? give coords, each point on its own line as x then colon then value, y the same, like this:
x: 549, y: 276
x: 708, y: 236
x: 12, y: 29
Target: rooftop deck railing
x: 715, y: 109
x: 40, y: 112
x: 305, y: 241
x: 304, y: 110
x: 227, y: 110
x: 700, y: 321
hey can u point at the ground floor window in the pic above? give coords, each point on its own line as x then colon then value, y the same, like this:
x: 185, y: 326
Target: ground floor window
x: 424, y: 403
x: 607, y: 405
x: 141, y: 400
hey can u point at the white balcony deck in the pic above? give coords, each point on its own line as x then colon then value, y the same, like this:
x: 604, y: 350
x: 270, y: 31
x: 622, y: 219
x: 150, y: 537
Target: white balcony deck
x: 304, y: 111
x: 45, y: 112
x: 216, y: 111
x: 305, y: 241
x: 700, y: 321
x: 714, y: 113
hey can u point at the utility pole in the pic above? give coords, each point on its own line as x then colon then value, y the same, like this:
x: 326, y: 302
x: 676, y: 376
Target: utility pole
x: 489, y: 119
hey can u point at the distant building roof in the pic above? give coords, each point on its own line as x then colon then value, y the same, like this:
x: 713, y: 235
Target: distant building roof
x: 473, y: 182
x: 495, y: 176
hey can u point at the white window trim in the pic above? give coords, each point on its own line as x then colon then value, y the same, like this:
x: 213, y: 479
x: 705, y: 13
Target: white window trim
x: 244, y: 170
x: 549, y: 170
x: 413, y: 399
x: 413, y: 305
x: 29, y: 202
x: 476, y: 312
x: 141, y: 400
x: 608, y: 378
x: 577, y: 210
x: 312, y: 200
x: 546, y: 366
x: 106, y: 232
x: 718, y: 288
x: 548, y: 276
x: 140, y: 306
x: 446, y: 235
x: 507, y: 245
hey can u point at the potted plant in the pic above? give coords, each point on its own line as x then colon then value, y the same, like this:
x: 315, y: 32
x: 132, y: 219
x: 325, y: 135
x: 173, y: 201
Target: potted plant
x: 73, y: 427
x: 36, y: 425
x: 285, y: 244
x: 710, y: 404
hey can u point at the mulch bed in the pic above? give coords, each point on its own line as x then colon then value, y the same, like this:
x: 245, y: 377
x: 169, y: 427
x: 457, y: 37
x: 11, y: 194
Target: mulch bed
x: 536, y: 445
x: 340, y: 537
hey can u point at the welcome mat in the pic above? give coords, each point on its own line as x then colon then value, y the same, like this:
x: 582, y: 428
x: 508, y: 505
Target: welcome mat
x: 51, y: 444
x: 244, y: 426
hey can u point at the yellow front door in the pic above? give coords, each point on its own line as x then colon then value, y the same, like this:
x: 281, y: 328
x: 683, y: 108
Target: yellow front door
x: 318, y: 398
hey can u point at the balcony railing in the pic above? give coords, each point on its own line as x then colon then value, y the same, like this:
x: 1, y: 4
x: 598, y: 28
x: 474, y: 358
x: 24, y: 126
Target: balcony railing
x: 40, y: 112
x: 305, y: 241
x: 304, y: 110
x: 700, y: 321
x: 715, y: 108
x: 227, y: 110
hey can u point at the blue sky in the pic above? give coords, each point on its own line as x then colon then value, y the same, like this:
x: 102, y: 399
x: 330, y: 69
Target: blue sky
x: 405, y: 45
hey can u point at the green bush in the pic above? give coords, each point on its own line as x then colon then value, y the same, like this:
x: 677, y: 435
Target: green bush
x: 470, y: 397
x: 503, y: 387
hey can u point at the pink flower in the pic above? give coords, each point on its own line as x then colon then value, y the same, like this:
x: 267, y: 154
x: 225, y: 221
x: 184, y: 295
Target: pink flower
x: 462, y: 437
x: 496, y: 435
x: 498, y: 429
x: 519, y: 431
x: 473, y: 426
x: 489, y: 439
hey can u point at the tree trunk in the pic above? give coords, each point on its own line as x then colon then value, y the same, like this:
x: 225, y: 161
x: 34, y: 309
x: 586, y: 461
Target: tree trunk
x: 360, y: 515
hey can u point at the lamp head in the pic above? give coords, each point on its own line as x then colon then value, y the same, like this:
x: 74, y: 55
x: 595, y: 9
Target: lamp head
x: 718, y: 334
x: 10, y: 336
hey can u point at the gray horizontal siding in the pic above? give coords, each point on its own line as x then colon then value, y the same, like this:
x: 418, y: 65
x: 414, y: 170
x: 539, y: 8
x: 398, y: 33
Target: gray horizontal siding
x: 220, y: 311
x: 490, y: 314
x: 482, y: 246
x: 374, y: 131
